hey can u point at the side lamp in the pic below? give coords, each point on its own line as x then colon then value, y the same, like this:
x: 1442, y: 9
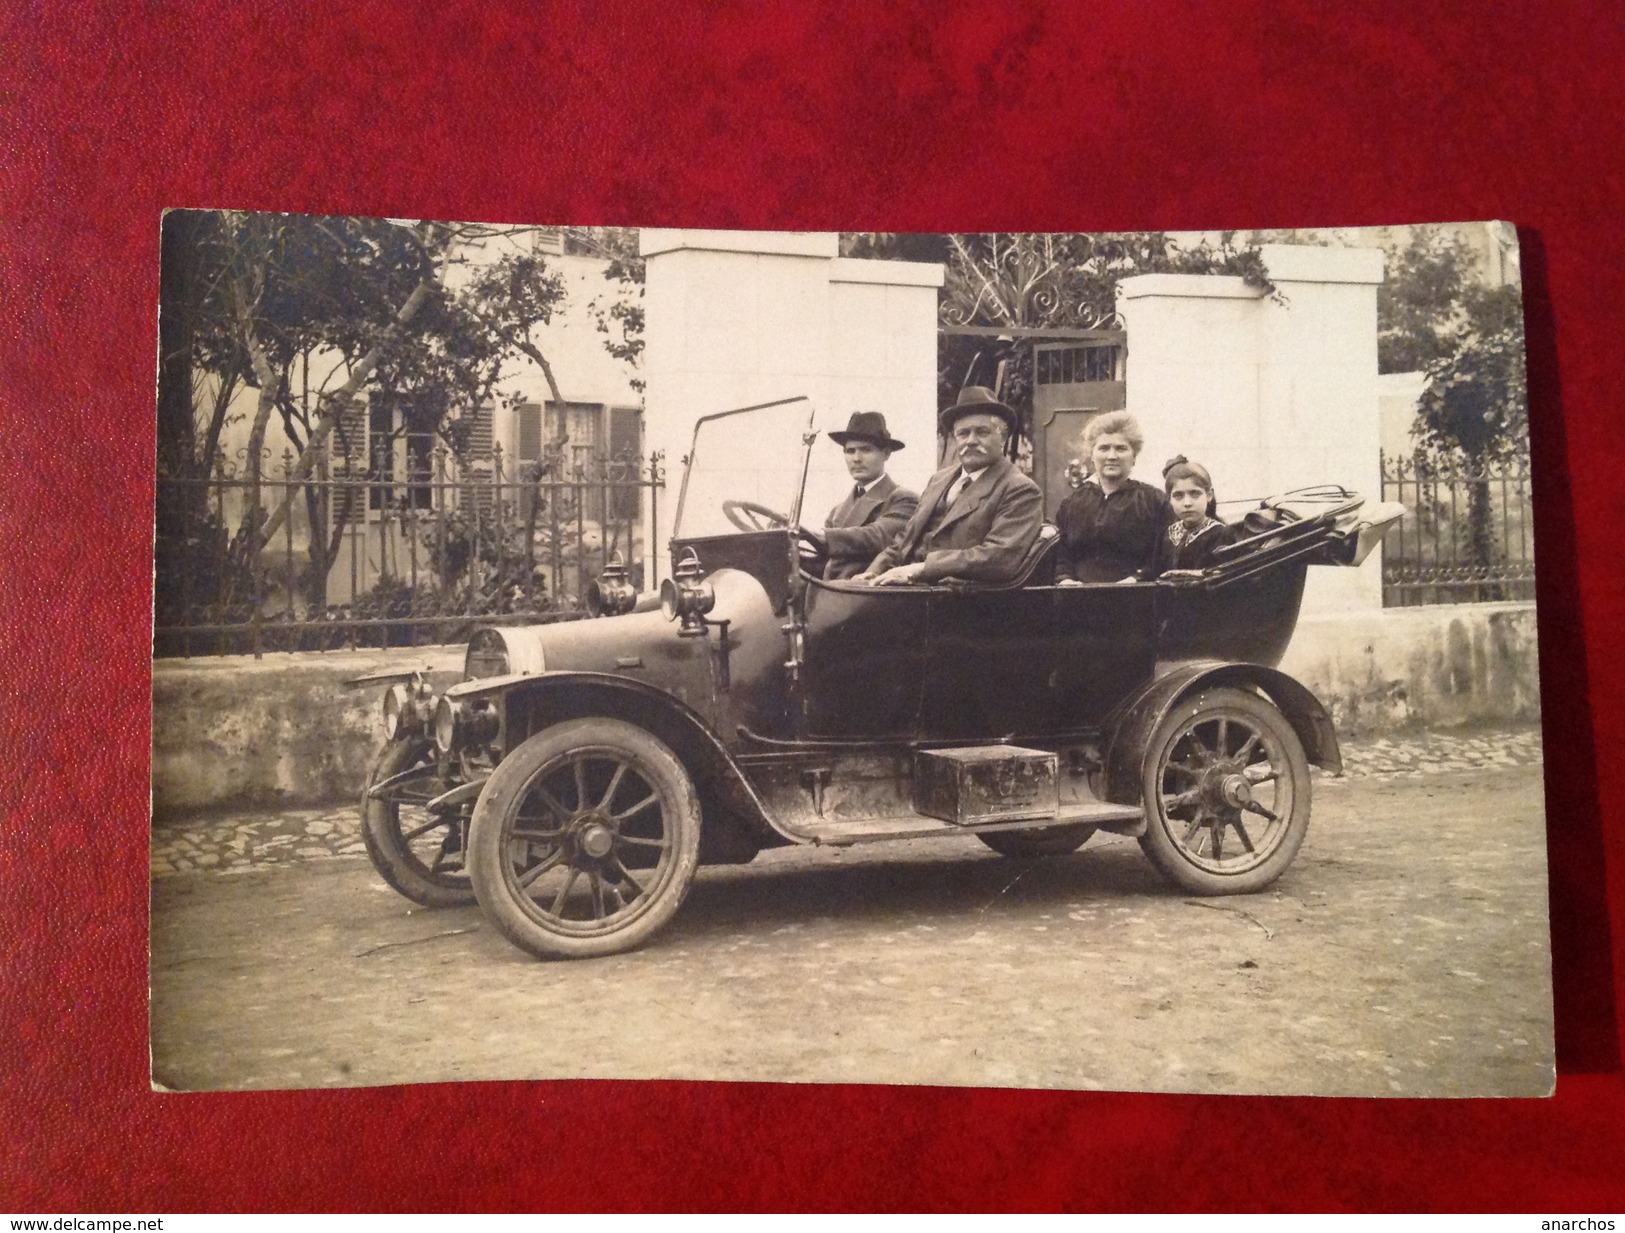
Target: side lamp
x: 687, y: 596
x: 611, y: 593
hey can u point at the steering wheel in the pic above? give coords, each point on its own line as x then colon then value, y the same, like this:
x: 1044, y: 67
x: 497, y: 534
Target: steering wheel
x: 749, y: 516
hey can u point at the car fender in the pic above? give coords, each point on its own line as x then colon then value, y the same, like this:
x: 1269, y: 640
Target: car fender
x: 1138, y: 719
x: 531, y: 703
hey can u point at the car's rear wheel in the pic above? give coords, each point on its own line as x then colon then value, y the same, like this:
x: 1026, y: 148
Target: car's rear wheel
x: 416, y: 852
x: 1226, y: 793
x: 1048, y: 841
x: 585, y: 840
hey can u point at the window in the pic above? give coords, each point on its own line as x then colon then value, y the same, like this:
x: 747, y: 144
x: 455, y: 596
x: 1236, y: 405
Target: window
x: 1076, y: 365
x: 473, y: 481
x: 394, y: 452
x: 577, y: 426
x: 372, y: 452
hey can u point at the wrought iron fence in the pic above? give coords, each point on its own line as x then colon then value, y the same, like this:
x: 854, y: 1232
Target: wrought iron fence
x: 404, y: 549
x: 1468, y: 534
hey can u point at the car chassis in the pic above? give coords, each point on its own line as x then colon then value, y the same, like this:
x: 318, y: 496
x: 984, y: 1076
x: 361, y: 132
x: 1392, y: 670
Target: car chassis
x: 581, y: 771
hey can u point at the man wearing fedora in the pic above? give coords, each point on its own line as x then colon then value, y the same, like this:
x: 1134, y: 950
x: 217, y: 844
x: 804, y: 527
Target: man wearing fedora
x: 976, y: 519
x: 876, y: 509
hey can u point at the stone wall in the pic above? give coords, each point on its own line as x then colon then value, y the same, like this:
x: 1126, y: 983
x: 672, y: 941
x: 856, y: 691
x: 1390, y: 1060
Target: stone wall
x: 1433, y: 667
x: 283, y: 731
x: 240, y: 732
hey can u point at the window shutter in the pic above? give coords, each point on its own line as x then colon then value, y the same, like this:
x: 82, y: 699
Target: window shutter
x: 474, y: 492
x: 625, y: 450
x: 625, y: 432
x: 528, y: 434
x: 350, y: 461
x: 480, y: 436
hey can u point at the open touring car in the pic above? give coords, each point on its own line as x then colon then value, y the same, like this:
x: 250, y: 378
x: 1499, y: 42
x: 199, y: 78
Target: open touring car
x: 580, y: 773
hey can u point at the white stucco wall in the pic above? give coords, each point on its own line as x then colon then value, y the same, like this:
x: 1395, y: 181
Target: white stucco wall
x: 585, y: 371
x: 1269, y: 393
x: 742, y: 317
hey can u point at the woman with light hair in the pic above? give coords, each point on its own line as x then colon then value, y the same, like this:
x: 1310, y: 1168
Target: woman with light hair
x: 1111, y: 526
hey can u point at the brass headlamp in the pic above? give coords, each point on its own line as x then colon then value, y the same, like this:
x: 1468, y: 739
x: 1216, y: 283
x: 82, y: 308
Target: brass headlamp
x: 407, y: 707
x: 463, y: 725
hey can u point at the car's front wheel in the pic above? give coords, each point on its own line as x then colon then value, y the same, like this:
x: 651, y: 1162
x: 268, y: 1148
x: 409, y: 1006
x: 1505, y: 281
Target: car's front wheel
x: 416, y: 852
x: 585, y: 840
x: 1226, y: 793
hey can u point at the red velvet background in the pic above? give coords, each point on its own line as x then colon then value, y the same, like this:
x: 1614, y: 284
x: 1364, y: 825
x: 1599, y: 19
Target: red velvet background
x: 909, y: 116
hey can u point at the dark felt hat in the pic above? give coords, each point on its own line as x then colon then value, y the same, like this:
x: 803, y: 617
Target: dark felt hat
x: 867, y: 426
x: 978, y: 400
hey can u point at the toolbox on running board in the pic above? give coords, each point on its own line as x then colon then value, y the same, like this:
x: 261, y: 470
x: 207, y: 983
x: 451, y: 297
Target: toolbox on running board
x: 988, y: 783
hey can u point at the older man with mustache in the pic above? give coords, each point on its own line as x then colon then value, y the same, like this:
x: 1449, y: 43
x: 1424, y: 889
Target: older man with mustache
x: 976, y: 519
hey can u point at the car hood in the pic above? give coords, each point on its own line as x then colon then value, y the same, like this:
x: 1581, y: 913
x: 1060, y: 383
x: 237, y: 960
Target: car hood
x: 644, y: 646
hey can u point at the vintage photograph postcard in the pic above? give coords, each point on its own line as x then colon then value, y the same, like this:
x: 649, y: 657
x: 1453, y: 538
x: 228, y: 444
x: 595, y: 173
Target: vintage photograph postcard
x: 1086, y: 661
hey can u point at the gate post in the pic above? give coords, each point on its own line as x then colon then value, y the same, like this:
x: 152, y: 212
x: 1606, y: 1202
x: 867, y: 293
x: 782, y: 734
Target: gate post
x: 1269, y: 392
x: 740, y: 317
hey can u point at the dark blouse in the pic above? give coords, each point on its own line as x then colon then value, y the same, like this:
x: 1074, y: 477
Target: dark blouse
x: 1107, y: 538
x: 1179, y: 549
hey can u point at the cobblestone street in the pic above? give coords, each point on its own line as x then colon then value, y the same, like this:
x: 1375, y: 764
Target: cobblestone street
x: 253, y: 840
x: 1405, y: 953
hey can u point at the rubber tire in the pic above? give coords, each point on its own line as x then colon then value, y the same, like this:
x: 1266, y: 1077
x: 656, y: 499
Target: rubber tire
x: 1049, y: 841
x: 391, y: 857
x: 1167, y: 853
x: 487, y: 844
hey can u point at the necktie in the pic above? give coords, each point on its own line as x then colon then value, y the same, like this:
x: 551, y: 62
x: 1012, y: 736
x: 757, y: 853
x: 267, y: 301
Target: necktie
x: 957, y: 487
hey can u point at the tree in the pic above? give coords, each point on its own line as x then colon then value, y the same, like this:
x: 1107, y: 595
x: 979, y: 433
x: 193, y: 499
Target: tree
x: 192, y: 412
x: 191, y: 547
x: 1429, y: 274
x: 1475, y: 409
x: 309, y: 312
x: 1421, y: 300
x: 1477, y: 400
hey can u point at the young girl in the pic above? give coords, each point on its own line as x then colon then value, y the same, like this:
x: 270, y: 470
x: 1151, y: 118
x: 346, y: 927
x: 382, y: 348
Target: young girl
x: 1195, y: 535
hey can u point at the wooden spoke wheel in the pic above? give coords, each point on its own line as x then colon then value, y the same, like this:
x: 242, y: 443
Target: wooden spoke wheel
x: 418, y: 853
x: 1226, y: 793
x: 585, y: 840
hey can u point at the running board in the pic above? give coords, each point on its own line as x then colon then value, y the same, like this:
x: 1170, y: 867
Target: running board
x: 1121, y: 819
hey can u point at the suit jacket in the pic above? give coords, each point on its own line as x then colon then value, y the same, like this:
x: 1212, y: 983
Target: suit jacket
x: 857, y: 529
x: 982, y: 537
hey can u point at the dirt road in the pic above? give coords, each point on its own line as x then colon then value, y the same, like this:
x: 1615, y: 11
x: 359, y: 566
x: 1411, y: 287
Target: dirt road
x: 1405, y: 953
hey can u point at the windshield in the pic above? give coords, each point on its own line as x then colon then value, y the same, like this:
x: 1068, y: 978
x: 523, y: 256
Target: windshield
x: 754, y: 454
